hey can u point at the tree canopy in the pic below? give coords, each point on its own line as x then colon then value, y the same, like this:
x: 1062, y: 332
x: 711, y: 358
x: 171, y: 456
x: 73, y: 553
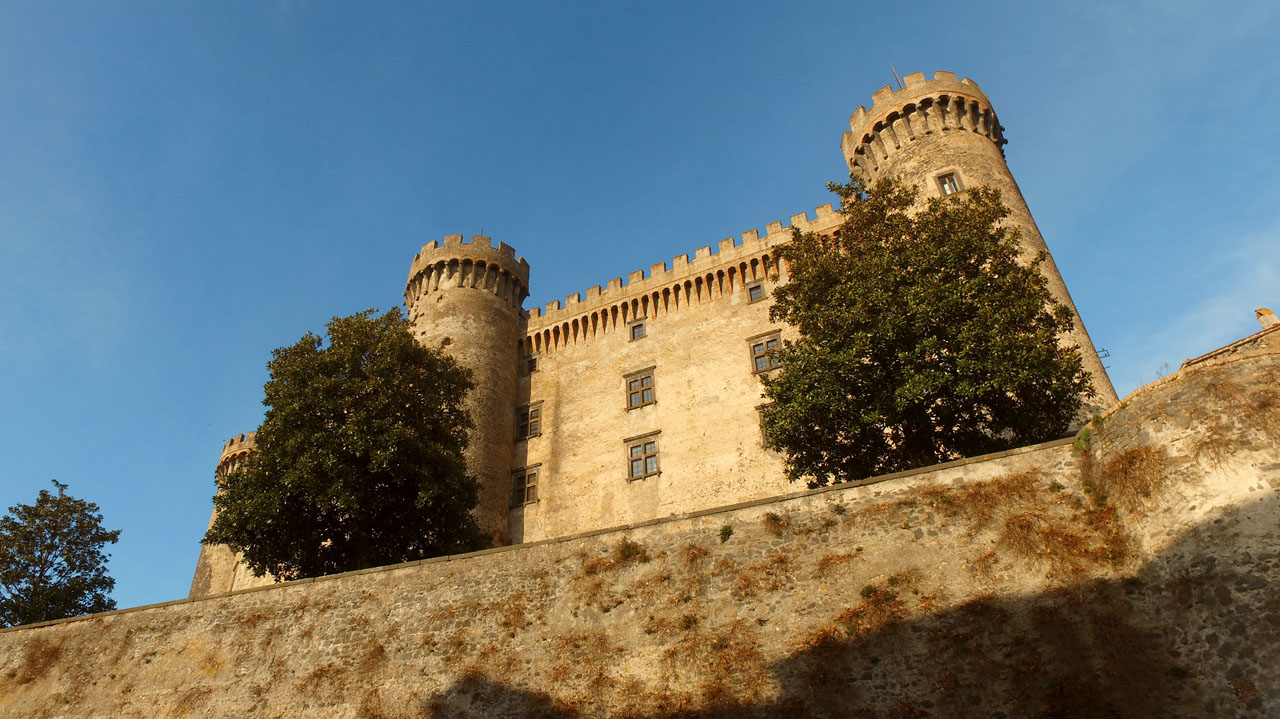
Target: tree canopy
x: 922, y: 339
x: 51, y: 560
x: 359, y: 460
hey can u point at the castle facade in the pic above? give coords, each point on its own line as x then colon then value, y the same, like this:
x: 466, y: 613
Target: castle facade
x: 641, y: 400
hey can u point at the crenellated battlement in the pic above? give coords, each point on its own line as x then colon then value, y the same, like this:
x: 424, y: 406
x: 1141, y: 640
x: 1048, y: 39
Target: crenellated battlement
x: 234, y: 452
x: 474, y: 264
x: 662, y: 275
x: 478, y: 248
x: 922, y: 107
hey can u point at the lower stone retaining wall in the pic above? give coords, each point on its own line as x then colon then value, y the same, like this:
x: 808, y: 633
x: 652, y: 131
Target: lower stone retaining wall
x: 1132, y: 576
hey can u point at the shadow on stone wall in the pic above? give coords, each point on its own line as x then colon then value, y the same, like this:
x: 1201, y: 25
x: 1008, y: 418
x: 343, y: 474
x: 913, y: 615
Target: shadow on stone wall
x: 1196, y: 632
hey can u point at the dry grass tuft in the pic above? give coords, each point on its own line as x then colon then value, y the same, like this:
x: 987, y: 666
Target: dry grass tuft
x: 629, y: 551
x: 1259, y: 410
x: 980, y: 502
x: 625, y: 552
x: 1033, y: 536
x: 984, y: 564
x: 327, y: 676
x: 694, y: 553
x: 1215, y: 445
x: 829, y: 561
x: 775, y: 524
x: 375, y: 656
x: 727, y: 664
x: 515, y: 613
x: 249, y: 621
x: 770, y: 575
x: 1132, y: 477
x: 881, y: 607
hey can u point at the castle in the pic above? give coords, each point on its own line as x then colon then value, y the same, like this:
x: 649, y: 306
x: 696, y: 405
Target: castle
x: 640, y: 400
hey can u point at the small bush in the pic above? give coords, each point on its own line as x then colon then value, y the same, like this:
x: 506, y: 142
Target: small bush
x: 1055, y: 486
x: 694, y: 552
x: 1084, y: 440
x: 598, y: 565
x: 629, y: 551
x: 775, y: 524
x: 839, y: 509
x: 725, y: 532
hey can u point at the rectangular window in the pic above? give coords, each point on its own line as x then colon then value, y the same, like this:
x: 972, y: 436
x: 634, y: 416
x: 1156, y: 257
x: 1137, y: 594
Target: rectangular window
x: 637, y: 330
x: 529, y: 421
x: 755, y: 292
x: 949, y: 184
x: 524, y: 486
x: 764, y: 352
x: 530, y: 365
x: 642, y: 457
x: 640, y: 388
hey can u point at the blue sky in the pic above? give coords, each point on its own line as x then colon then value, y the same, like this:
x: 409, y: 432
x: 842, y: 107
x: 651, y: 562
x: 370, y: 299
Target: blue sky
x: 184, y: 187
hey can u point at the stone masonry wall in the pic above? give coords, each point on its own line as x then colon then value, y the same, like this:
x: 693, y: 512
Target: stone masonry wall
x: 1132, y: 574
x: 699, y: 323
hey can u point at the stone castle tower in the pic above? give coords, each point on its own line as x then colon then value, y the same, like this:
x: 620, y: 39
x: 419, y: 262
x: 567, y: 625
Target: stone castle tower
x: 465, y: 298
x: 219, y: 569
x: 642, y: 400
x: 943, y: 135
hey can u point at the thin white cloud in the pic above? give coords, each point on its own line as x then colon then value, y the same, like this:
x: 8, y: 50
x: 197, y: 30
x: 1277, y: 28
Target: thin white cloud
x: 1237, y: 276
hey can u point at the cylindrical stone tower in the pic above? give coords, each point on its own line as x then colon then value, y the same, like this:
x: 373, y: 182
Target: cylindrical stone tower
x: 219, y: 569
x: 943, y: 135
x: 464, y: 298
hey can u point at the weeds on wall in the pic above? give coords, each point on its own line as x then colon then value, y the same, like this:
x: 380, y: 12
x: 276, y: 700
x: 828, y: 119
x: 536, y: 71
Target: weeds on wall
x: 790, y: 619
x: 1133, y: 477
x: 769, y: 575
x: 775, y: 524
x: 624, y: 552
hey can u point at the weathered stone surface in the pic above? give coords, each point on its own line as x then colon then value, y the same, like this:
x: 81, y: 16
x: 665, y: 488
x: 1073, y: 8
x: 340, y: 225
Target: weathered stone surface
x: 1025, y: 596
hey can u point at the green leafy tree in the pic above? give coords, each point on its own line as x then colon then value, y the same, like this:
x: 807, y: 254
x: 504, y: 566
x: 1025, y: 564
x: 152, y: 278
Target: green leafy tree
x: 922, y: 339
x: 359, y: 460
x: 51, y: 560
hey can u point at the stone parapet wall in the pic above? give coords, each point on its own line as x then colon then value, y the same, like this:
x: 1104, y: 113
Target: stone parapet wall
x: 662, y: 276
x: 1006, y: 586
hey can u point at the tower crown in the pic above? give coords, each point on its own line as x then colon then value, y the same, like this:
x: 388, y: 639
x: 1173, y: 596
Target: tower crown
x: 234, y: 452
x: 922, y: 107
x: 478, y: 264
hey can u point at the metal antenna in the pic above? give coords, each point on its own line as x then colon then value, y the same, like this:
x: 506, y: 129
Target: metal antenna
x: 895, y: 76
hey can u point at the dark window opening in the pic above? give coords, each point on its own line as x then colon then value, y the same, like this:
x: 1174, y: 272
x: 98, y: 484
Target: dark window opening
x: 524, y: 486
x: 529, y: 421
x: 640, y: 390
x: 764, y: 354
x: 642, y: 459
